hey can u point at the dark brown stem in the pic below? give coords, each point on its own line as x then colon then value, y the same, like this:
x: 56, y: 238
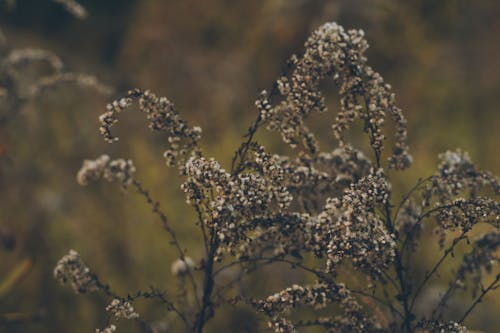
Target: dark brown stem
x: 419, y: 222
x: 429, y: 274
x: 399, y: 268
x: 241, y: 152
x: 156, y: 294
x: 493, y: 285
x: 398, y: 264
x: 408, y: 195
x: 208, y: 285
x: 164, y: 221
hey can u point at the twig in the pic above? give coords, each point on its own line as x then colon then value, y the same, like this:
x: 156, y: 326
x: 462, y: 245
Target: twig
x: 492, y: 286
x: 429, y: 274
x: 157, y: 210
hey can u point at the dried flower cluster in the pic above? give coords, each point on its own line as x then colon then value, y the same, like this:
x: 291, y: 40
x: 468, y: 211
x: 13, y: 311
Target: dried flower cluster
x: 122, y: 309
x: 71, y: 268
x: 334, y: 53
x: 17, y: 88
x: 442, y: 327
x: 456, y: 173
x: 110, y: 329
x: 119, y: 170
x: 181, y: 267
x: 318, y: 296
x: 330, y: 215
x: 162, y: 117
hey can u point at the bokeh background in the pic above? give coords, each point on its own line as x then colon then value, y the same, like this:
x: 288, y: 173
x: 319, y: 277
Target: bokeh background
x: 211, y: 58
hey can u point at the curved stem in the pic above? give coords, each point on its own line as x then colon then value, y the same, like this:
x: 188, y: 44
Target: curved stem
x: 493, y: 285
x: 157, y: 210
x: 408, y: 195
x: 429, y: 274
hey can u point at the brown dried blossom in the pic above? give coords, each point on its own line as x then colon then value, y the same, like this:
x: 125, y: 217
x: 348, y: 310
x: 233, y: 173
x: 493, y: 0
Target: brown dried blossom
x: 181, y: 267
x: 441, y: 327
x: 119, y: 170
x: 230, y: 203
x: 324, y: 213
x: 122, y: 309
x: 334, y: 53
x: 109, y: 329
x: 354, y: 228
x: 160, y: 112
x: 312, y: 179
x: 457, y: 174
x: 483, y: 257
x: 71, y: 268
x: 318, y: 296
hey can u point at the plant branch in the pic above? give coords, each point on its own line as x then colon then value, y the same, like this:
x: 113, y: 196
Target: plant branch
x: 429, y: 274
x: 493, y: 285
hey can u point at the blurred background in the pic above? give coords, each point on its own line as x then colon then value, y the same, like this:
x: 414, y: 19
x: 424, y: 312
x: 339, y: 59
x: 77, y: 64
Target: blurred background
x: 211, y: 58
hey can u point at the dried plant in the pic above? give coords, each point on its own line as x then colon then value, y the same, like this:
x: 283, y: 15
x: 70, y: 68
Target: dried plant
x: 27, y: 75
x: 331, y: 215
x: 17, y: 88
x: 71, y: 6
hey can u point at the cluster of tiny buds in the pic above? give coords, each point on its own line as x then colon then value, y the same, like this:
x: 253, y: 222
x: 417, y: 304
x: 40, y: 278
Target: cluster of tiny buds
x: 338, y: 54
x: 72, y: 268
x: 465, y: 213
x: 109, y: 329
x: 108, y: 118
x: 358, y: 232
x: 161, y: 115
x: 457, y: 173
x: 441, y: 327
x: 103, y: 167
x: 335, y: 206
x: 230, y: 203
x: 122, y: 309
x: 317, y: 296
x: 182, y: 266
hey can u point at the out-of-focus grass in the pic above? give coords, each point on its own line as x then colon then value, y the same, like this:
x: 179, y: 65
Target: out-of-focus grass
x: 211, y: 58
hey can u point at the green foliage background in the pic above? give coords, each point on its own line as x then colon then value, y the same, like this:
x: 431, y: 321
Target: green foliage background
x: 211, y: 58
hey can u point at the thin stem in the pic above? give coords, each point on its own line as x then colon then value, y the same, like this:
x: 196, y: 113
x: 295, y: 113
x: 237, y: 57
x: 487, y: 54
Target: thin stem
x: 419, y: 221
x: 244, y: 147
x: 380, y: 301
x: 156, y: 294
x: 408, y: 195
x: 208, y: 284
x: 202, y: 228
x: 391, y: 280
x: 429, y: 274
x: 398, y: 264
x: 319, y: 274
x: 157, y: 210
x: 436, y: 313
x: 492, y: 286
